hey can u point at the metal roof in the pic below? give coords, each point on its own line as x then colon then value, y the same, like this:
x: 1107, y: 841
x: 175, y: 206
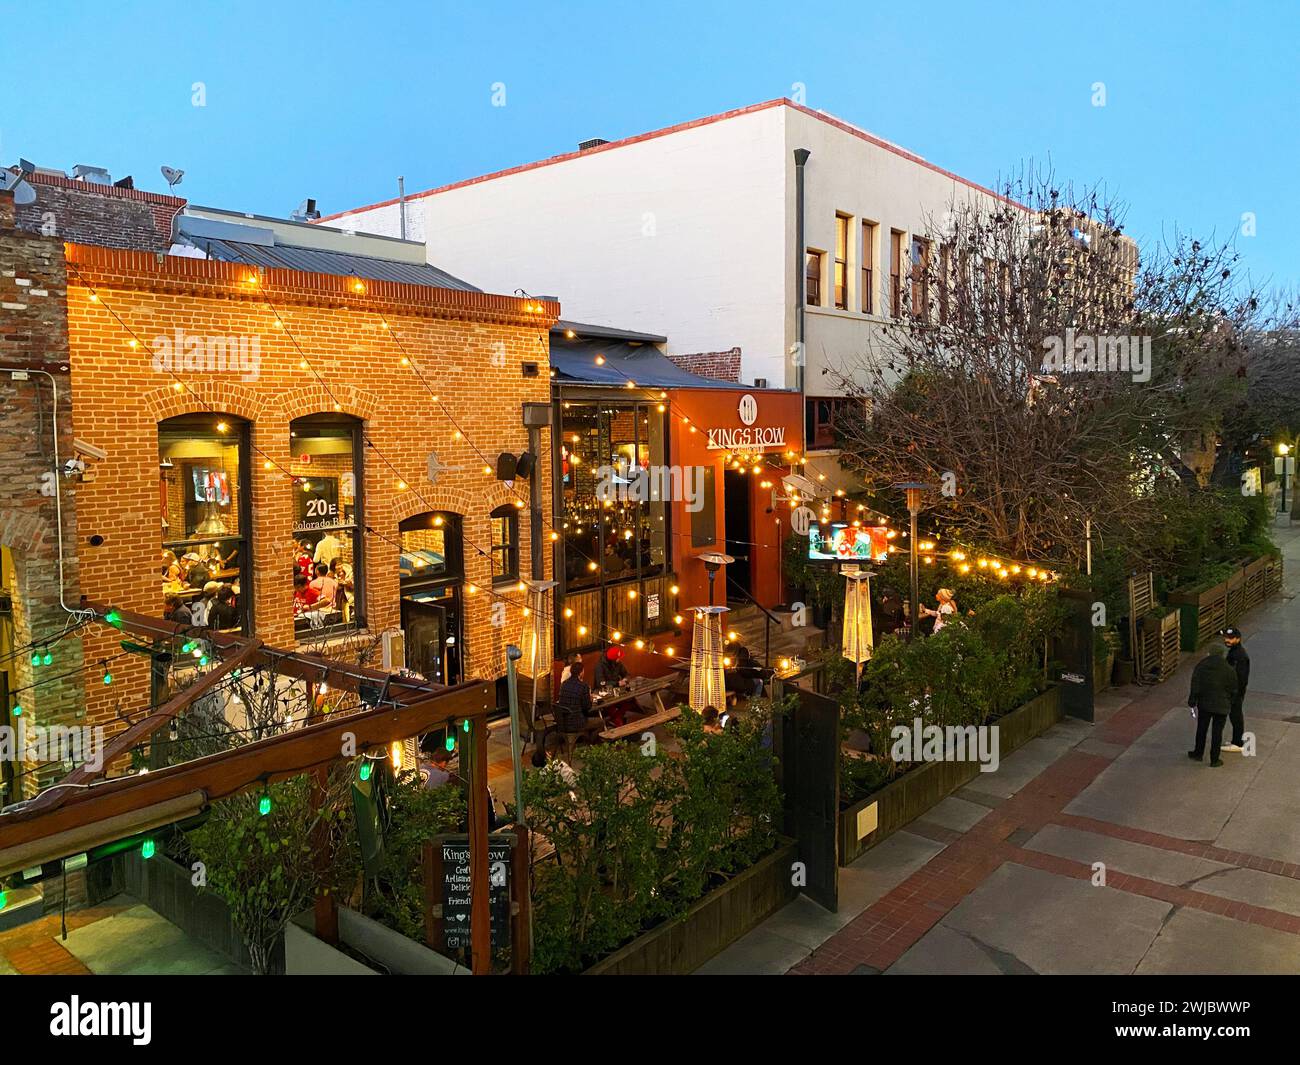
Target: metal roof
x: 585, y: 330
x: 318, y: 261
x: 574, y: 362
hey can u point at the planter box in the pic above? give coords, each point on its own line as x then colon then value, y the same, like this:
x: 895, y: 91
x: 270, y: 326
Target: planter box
x: 879, y: 815
x: 305, y: 955
x: 1102, y: 671
x: 166, y: 888
x: 390, y: 952
x: 1202, y: 614
x: 721, y: 917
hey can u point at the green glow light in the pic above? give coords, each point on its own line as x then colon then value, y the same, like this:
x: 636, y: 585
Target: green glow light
x: 450, y: 742
x: 365, y: 769
x: 113, y: 617
x: 18, y: 710
x: 108, y: 677
x: 36, y: 659
x: 4, y: 900
x: 203, y: 660
x: 147, y: 849
x: 47, y: 659
x: 264, y: 804
x: 466, y: 724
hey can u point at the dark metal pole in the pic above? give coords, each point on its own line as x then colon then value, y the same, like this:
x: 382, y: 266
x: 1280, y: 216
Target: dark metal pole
x: 800, y: 252
x: 915, y: 566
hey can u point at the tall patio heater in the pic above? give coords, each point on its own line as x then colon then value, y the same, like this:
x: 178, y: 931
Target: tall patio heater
x: 708, y: 684
x: 858, y: 637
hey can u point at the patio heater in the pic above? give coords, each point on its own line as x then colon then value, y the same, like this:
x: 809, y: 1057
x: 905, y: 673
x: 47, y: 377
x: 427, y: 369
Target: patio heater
x: 913, y: 490
x: 714, y: 561
x: 858, y: 637
x: 708, y: 684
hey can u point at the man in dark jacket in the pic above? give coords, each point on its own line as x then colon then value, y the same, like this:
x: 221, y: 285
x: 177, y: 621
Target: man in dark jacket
x: 1214, y: 686
x: 573, y: 706
x: 1240, y: 661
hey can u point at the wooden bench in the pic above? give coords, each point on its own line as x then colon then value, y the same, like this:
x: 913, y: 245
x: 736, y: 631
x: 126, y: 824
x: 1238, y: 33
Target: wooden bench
x: 635, y: 728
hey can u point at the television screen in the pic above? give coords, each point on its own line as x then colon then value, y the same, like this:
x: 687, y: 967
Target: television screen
x: 840, y: 542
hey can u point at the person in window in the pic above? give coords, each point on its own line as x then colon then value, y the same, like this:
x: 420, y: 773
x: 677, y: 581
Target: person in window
x: 201, y: 608
x: 175, y: 610
x: 328, y: 548
x: 303, y: 562
x: 613, y: 560
x: 342, y: 573
x: 304, y: 596
x: 224, y: 614
x: 326, y: 587
x: 194, y: 570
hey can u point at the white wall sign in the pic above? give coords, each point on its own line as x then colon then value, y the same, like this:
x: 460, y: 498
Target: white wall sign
x: 748, y: 409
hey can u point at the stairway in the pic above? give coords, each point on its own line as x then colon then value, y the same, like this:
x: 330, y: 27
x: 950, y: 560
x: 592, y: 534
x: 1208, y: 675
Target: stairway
x: 787, y: 641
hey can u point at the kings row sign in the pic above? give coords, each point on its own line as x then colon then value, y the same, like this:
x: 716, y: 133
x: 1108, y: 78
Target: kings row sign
x: 747, y: 438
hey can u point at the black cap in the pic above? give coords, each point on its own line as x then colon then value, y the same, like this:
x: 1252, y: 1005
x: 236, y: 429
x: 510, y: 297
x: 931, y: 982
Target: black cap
x: 1231, y: 631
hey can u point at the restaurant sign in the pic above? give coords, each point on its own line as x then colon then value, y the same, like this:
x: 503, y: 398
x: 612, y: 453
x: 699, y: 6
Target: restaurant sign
x: 456, y: 889
x: 747, y: 436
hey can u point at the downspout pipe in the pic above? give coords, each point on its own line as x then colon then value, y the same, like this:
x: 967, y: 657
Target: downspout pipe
x: 801, y: 300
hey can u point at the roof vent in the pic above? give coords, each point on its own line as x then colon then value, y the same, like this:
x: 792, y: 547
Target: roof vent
x: 95, y: 175
x: 595, y: 142
x: 305, y: 211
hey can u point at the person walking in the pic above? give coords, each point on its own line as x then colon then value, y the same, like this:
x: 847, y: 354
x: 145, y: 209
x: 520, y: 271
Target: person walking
x: 1214, y: 687
x: 1240, y: 661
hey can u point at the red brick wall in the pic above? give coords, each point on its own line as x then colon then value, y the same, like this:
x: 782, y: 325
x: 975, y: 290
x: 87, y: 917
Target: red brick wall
x: 716, y: 365
x: 33, y: 336
x: 87, y: 213
x: 468, y: 346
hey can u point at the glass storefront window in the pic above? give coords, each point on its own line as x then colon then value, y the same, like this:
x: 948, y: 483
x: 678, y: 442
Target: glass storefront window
x: 616, y: 534
x: 203, y: 471
x: 505, y: 544
x: 327, y: 523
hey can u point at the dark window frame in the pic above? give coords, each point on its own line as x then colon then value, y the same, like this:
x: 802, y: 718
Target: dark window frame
x: 508, y: 572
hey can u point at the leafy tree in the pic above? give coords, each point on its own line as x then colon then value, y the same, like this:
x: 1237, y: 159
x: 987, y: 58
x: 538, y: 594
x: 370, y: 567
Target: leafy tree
x: 269, y: 868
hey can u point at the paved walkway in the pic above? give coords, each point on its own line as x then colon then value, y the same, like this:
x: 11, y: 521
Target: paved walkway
x: 1201, y: 866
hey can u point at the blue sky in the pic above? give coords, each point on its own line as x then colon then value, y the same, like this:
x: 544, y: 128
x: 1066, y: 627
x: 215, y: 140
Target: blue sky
x: 334, y: 100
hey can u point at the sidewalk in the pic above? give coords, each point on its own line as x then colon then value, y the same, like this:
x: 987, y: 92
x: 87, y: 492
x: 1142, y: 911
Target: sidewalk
x: 1201, y: 866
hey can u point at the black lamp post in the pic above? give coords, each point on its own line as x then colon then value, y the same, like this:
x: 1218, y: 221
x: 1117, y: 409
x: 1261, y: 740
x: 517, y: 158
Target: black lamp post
x: 914, y: 490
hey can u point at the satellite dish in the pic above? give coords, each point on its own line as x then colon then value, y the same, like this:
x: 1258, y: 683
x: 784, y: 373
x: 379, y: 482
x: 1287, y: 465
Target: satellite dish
x: 23, y: 192
x: 172, y: 176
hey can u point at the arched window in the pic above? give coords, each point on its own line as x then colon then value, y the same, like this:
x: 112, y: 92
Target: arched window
x: 329, y: 572
x: 505, y: 544
x: 206, y: 520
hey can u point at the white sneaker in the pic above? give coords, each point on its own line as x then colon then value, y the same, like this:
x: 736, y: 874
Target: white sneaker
x: 1230, y: 747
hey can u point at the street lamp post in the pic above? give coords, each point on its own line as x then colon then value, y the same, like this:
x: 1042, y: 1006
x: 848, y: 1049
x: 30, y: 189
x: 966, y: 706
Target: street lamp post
x: 914, y: 490
x: 1284, y: 465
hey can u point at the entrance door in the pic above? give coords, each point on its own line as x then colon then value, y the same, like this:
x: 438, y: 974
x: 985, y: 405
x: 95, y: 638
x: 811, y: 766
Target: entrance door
x: 432, y: 626
x: 736, y: 511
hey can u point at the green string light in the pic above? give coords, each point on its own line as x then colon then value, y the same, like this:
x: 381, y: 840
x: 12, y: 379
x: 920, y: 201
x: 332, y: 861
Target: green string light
x: 113, y: 618
x: 47, y: 658
x: 466, y: 726
x: 108, y: 677
x: 147, y: 849
x: 365, y: 769
x: 18, y: 710
x: 264, y: 804
x: 450, y: 741
x: 4, y: 899
x: 36, y: 658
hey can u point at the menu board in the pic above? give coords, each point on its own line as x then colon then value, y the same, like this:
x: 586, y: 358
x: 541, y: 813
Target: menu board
x: 456, y: 889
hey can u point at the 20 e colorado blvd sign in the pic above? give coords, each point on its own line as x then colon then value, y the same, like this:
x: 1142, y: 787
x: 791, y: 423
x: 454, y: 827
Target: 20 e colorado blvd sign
x: 747, y: 436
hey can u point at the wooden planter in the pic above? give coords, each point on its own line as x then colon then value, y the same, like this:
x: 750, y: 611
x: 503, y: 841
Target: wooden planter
x: 1202, y: 614
x: 861, y: 827
x: 726, y: 913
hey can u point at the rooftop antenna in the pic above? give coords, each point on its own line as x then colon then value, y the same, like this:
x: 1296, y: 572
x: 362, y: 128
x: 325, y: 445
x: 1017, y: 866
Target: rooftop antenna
x: 172, y: 176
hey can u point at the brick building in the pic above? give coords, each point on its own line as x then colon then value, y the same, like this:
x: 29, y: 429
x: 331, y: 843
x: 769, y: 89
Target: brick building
x: 33, y: 371
x: 252, y: 415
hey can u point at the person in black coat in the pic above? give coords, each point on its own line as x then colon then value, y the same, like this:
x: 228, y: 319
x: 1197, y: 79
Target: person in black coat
x: 1214, y: 687
x: 573, y: 706
x: 1240, y: 661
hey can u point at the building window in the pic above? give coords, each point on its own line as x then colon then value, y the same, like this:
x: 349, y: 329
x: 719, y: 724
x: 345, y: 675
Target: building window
x: 325, y: 459
x: 614, y: 521
x: 895, y: 273
x: 842, y: 261
x: 813, y: 278
x: 505, y: 544
x: 868, y: 262
x: 920, y: 278
x: 206, y: 516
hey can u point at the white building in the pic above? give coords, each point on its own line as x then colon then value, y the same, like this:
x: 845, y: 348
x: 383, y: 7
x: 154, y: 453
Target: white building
x: 692, y: 231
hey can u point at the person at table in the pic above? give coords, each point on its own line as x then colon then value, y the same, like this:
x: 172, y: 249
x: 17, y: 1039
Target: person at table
x: 201, y: 608
x: 224, y: 614
x: 304, y: 596
x: 611, y: 674
x: 573, y: 706
x: 712, y: 720
x: 175, y: 610
x: 326, y: 587
x: 303, y: 561
x: 194, y: 571
x: 946, y: 611
x: 745, y: 676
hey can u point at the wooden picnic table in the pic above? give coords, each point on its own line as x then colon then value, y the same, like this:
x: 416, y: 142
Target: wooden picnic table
x: 635, y: 728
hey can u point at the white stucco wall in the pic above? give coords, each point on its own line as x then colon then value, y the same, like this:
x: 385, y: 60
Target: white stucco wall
x: 849, y: 175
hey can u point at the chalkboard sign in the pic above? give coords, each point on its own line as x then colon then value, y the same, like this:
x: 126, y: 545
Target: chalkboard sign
x: 456, y: 889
